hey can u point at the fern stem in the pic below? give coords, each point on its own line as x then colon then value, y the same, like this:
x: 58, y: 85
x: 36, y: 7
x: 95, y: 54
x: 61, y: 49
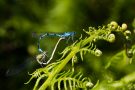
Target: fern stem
x: 59, y: 68
x: 75, y: 49
x: 89, y: 39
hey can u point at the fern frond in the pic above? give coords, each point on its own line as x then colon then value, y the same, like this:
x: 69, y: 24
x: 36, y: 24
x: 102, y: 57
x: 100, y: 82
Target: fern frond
x: 39, y: 73
x: 35, y: 74
x: 38, y: 80
x: 103, y: 33
x: 67, y: 50
x: 71, y: 80
x: 91, y: 48
x: 51, y: 73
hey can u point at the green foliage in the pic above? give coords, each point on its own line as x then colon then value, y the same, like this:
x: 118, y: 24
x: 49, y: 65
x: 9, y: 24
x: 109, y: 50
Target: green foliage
x: 53, y: 77
x: 19, y: 18
x: 73, y: 81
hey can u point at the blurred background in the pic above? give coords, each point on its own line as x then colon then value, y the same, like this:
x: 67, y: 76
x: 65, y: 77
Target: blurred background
x: 19, y: 18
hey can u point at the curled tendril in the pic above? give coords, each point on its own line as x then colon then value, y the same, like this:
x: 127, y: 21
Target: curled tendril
x: 71, y: 81
x: 34, y: 75
x: 111, y: 37
x: 98, y: 52
x: 113, y: 25
x: 124, y: 27
x: 127, y: 33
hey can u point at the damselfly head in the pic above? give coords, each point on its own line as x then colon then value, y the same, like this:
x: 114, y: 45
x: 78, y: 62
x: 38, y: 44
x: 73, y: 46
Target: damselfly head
x: 41, y: 57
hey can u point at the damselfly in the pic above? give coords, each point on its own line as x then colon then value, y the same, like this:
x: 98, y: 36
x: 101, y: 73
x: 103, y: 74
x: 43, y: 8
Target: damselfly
x: 68, y: 35
x: 41, y: 57
x: 61, y: 35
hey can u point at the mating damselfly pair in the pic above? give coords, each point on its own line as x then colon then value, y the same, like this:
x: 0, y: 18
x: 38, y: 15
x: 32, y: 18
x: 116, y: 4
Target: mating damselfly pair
x: 65, y: 35
x: 41, y: 57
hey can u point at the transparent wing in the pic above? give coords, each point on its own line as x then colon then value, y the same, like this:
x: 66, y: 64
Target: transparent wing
x: 27, y: 65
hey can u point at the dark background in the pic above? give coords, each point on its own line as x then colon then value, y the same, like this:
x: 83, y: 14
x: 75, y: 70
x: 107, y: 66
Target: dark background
x: 19, y: 18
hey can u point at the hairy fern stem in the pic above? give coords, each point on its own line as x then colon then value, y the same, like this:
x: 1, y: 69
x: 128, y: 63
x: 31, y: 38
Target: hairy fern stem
x: 58, y: 69
x: 52, y: 72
